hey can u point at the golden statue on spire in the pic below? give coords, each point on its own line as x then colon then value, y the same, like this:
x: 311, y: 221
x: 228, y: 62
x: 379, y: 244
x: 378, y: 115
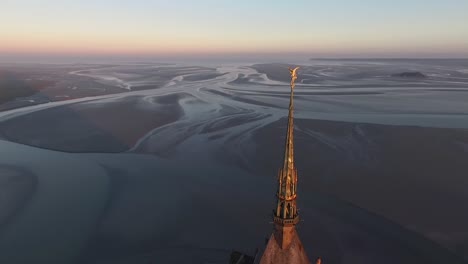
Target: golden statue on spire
x: 293, y: 73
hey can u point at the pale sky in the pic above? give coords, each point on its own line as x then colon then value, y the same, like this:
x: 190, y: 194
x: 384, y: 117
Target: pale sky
x: 346, y: 28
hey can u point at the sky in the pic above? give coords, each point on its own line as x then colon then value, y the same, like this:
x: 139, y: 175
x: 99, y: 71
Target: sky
x: 331, y: 28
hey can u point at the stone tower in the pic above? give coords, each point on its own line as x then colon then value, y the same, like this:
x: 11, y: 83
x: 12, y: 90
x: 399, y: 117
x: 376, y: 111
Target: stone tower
x: 284, y: 245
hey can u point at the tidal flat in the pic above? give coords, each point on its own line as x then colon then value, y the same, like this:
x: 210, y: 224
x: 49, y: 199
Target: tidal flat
x: 176, y: 163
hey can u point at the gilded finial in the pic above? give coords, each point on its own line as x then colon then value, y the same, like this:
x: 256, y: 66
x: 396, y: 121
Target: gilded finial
x: 293, y: 73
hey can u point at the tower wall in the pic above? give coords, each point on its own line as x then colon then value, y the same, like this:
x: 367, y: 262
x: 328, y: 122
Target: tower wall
x: 283, y: 235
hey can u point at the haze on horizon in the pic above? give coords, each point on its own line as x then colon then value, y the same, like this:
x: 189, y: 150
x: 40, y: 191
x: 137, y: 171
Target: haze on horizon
x: 365, y: 28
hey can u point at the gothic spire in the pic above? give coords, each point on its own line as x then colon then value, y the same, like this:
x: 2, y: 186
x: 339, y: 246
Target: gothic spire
x: 289, y: 145
x: 286, y: 210
x: 284, y: 245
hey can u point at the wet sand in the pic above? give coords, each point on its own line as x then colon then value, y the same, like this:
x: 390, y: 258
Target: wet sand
x: 17, y: 186
x: 93, y: 127
x: 413, y: 176
x: 133, y: 221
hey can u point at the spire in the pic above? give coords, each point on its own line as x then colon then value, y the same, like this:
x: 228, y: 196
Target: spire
x: 286, y: 209
x: 288, y: 163
x: 284, y: 245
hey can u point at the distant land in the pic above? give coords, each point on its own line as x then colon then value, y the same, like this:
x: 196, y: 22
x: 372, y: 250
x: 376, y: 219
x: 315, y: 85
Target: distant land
x: 382, y: 59
x: 416, y: 75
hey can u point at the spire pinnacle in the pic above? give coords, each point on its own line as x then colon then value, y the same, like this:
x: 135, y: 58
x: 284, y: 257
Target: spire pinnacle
x: 289, y: 146
x: 284, y: 245
x: 286, y: 211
